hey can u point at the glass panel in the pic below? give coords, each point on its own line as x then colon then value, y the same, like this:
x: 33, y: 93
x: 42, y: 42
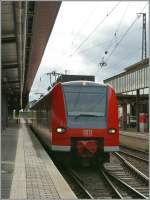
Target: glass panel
x: 136, y: 80
x: 142, y: 78
x: 147, y: 77
x: 86, y: 100
x: 122, y: 83
x: 139, y: 79
x: 86, y: 106
x: 118, y: 84
x: 131, y: 83
x: 127, y: 84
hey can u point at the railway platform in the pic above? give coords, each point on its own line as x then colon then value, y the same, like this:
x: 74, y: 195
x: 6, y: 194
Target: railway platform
x: 135, y: 140
x: 27, y: 171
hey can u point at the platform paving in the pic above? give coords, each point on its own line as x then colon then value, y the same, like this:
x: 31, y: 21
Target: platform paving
x: 144, y: 135
x: 135, y: 140
x: 33, y: 174
x: 9, y: 140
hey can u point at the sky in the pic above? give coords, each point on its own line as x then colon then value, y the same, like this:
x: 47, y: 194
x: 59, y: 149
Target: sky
x: 86, y: 34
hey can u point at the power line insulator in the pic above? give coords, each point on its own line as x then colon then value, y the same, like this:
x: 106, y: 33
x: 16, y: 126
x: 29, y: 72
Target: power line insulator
x: 53, y: 73
x: 103, y: 64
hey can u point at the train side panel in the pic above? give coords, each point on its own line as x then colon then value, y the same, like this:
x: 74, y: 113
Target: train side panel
x: 42, y: 120
x: 112, y: 141
x: 59, y: 141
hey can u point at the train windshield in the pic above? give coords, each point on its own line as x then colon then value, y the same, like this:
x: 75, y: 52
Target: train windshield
x: 86, y: 106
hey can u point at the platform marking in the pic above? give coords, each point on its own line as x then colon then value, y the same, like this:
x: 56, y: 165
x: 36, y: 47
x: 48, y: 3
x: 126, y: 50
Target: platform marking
x: 61, y: 148
x: 18, y: 187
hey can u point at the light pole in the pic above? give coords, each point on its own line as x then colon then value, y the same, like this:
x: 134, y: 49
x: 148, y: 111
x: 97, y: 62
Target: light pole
x: 144, y: 48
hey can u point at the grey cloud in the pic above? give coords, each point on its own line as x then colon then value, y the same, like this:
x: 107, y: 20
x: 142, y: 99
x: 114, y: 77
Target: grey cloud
x: 127, y: 53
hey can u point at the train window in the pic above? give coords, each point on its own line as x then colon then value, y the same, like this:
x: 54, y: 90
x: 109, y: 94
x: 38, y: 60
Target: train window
x: 86, y: 106
x: 86, y: 102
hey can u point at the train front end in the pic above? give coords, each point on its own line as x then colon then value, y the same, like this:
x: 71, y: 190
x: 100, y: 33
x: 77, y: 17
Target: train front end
x: 89, y: 130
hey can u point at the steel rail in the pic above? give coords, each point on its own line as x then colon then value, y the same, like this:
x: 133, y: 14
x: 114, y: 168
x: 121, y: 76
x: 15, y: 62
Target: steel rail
x: 131, y: 149
x: 137, y: 193
x: 133, y: 156
x: 131, y: 167
x: 118, y: 195
x: 78, y: 181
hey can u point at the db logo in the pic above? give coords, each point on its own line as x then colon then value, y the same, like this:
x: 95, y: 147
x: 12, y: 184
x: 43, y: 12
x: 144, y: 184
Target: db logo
x: 87, y: 132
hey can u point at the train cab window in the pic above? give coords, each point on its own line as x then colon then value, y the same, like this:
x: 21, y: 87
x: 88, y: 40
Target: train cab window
x: 86, y: 106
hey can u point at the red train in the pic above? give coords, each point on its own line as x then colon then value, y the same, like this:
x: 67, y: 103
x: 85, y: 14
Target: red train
x: 78, y: 119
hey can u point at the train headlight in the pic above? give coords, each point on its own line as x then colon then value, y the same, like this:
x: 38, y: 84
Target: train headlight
x: 112, y: 131
x: 60, y: 130
x: 83, y: 83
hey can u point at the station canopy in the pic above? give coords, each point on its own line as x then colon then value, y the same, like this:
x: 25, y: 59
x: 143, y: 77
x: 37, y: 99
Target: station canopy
x: 134, y: 77
x: 26, y: 28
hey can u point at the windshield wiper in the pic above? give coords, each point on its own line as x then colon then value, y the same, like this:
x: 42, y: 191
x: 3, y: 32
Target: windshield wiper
x: 89, y: 115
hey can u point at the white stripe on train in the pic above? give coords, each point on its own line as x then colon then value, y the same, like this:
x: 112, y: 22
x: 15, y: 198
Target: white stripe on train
x: 111, y: 148
x: 68, y: 148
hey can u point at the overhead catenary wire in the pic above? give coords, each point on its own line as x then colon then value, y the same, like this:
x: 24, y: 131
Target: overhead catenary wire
x: 103, y: 63
x: 97, y: 26
x: 124, y: 35
x: 81, y: 27
x: 139, y: 28
x: 83, y: 24
x: 94, y: 46
x: 118, y: 27
x: 114, y: 35
x: 100, y: 44
x: 126, y: 56
x: 123, y: 15
x: 122, y: 59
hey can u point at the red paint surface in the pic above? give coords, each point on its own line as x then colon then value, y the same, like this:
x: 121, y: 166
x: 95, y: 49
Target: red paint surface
x: 143, y: 118
x: 58, y: 119
x: 58, y: 116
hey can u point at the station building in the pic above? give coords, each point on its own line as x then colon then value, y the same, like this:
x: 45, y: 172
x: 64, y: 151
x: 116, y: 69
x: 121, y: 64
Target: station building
x: 132, y: 88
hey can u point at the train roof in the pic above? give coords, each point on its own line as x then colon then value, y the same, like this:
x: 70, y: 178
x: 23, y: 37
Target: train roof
x: 82, y: 82
x: 71, y: 83
x: 71, y: 77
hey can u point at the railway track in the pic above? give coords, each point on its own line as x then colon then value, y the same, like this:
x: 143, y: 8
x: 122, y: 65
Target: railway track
x: 80, y: 184
x: 115, y: 180
x: 97, y: 183
x: 75, y: 182
x: 124, y: 190
x: 120, y: 169
x: 134, y: 156
x: 139, y: 154
x: 89, y: 183
x: 140, y: 163
x: 105, y: 187
x: 112, y: 180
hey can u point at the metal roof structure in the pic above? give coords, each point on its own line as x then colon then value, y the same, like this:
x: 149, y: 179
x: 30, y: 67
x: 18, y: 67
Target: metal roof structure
x: 10, y: 57
x: 134, y: 77
x: 26, y: 27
